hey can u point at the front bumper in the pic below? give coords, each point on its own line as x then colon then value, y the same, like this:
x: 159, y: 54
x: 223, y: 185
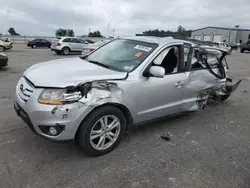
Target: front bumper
x: 39, y: 116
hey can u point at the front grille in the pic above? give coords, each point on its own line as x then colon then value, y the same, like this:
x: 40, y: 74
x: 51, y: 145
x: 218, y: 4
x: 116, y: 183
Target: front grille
x: 25, y: 89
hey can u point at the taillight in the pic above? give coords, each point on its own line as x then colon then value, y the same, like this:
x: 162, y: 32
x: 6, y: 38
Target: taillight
x: 58, y: 44
x: 91, y: 49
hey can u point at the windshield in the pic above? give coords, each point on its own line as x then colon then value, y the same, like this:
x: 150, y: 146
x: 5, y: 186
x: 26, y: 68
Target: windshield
x: 121, y: 54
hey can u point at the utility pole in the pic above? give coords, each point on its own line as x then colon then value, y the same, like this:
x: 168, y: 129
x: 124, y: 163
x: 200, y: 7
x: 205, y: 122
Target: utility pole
x: 113, y: 33
x: 89, y: 30
x: 108, y: 28
x: 237, y: 27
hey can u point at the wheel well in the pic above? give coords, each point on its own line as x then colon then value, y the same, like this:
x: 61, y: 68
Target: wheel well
x: 66, y: 47
x: 124, y: 109
x: 126, y: 112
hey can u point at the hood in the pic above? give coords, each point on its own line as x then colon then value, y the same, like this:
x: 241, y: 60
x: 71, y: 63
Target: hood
x: 68, y: 72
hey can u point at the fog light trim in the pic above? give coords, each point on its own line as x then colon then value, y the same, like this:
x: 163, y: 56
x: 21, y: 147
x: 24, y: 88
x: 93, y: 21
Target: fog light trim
x: 48, y: 129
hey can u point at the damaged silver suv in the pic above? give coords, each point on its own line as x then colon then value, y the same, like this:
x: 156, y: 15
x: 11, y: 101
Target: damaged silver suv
x: 95, y: 98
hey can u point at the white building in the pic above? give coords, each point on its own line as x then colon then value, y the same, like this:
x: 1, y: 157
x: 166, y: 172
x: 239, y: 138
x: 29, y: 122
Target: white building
x: 219, y: 34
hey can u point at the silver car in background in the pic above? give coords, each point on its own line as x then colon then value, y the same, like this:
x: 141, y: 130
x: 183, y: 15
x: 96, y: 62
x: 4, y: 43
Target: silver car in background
x: 95, y: 98
x: 225, y: 46
x: 92, y: 47
x: 65, y: 45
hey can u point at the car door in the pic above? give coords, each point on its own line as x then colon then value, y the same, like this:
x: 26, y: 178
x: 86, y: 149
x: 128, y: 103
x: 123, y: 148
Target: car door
x: 44, y: 43
x: 76, y: 45
x: 69, y: 42
x: 199, y: 79
x: 38, y: 42
x: 158, y: 97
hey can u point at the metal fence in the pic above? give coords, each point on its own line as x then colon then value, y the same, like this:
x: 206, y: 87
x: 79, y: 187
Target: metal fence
x: 25, y: 39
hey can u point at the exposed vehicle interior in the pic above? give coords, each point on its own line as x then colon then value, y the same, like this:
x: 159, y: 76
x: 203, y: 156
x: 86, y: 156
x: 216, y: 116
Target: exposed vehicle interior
x: 169, y: 61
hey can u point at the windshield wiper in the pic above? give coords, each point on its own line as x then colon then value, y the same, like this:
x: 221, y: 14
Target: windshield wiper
x: 98, y: 63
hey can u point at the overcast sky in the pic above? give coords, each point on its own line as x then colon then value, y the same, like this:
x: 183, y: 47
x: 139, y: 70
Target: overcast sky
x: 34, y: 17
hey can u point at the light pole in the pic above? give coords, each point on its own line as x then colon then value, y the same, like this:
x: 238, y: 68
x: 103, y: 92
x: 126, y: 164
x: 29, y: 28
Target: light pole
x: 108, y: 28
x: 237, y: 26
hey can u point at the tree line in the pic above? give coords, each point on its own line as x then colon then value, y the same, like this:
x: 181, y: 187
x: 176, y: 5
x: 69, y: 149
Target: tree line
x: 70, y: 33
x: 181, y: 31
x: 61, y: 33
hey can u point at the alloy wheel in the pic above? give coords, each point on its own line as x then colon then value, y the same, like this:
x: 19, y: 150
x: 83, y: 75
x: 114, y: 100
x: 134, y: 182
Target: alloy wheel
x: 105, y: 132
x: 65, y: 51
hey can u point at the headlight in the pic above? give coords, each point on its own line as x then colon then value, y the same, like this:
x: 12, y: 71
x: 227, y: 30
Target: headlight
x: 58, y: 96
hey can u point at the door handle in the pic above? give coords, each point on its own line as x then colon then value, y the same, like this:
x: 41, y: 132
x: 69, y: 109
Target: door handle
x: 179, y: 84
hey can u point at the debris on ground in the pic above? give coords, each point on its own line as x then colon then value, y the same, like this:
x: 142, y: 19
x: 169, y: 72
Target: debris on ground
x: 167, y: 136
x: 245, y: 91
x: 231, y: 122
x: 172, y: 145
x: 217, y: 127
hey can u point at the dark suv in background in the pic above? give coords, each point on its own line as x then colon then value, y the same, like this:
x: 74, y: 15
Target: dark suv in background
x: 245, y: 47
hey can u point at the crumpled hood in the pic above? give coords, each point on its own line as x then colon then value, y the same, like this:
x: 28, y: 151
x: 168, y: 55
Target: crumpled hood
x: 68, y: 72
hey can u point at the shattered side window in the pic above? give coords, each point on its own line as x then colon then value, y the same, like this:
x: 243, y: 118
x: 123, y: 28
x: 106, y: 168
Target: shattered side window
x: 211, y: 55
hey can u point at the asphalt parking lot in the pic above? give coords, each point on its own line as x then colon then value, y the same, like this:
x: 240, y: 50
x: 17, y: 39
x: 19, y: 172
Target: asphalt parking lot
x: 209, y: 148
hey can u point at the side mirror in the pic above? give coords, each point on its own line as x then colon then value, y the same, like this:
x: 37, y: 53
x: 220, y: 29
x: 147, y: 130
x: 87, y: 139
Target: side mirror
x: 157, y: 71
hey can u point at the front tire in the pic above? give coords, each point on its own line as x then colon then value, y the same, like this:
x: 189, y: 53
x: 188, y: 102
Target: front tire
x: 101, y: 131
x: 2, y: 48
x: 242, y: 51
x: 66, y: 51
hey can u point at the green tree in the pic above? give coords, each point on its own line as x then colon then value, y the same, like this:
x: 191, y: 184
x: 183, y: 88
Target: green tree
x: 95, y: 34
x: 70, y: 33
x: 12, y: 31
x: 61, y: 32
x: 64, y: 32
x: 181, y: 31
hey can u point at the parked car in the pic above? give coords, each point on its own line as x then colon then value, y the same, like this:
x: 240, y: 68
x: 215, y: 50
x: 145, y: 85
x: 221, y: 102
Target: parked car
x: 132, y: 80
x: 3, y: 60
x: 233, y: 45
x: 245, y: 47
x: 90, y: 41
x: 225, y: 46
x: 65, y: 45
x: 5, y: 45
x: 91, y: 47
x: 39, y: 43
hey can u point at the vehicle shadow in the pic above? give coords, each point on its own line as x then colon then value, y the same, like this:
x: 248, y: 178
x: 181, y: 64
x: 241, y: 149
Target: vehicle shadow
x: 71, y: 54
x: 159, y: 124
x: 4, y: 69
x: 71, y: 150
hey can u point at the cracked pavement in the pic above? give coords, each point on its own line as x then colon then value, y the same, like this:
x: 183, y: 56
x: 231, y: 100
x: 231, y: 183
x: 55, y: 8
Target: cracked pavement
x: 208, y: 149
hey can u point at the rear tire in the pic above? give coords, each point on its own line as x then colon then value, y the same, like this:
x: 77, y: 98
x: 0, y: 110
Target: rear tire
x: 65, y: 51
x: 242, y: 51
x: 92, y: 126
